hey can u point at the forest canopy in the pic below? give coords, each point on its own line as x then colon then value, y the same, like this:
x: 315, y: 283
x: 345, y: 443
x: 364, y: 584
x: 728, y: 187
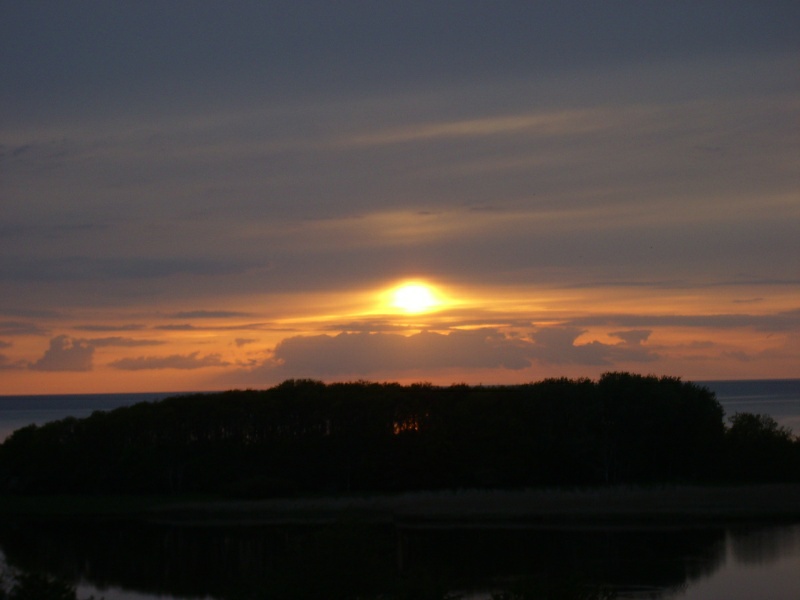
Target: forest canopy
x: 308, y: 437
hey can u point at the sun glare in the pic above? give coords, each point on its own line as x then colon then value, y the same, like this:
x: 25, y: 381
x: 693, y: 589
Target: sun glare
x: 414, y: 298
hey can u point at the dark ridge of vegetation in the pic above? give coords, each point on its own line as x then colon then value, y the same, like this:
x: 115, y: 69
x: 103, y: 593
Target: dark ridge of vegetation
x: 306, y: 437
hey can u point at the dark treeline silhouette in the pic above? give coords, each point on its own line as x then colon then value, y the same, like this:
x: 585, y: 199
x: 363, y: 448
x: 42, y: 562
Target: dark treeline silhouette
x: 307, y: 437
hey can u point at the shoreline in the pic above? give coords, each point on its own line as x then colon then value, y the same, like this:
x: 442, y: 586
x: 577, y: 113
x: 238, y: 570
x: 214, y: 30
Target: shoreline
x: 533, y: 507
x: 530, y: 508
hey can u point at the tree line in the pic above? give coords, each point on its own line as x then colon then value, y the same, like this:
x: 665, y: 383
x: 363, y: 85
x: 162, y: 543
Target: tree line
x: 308, y: 437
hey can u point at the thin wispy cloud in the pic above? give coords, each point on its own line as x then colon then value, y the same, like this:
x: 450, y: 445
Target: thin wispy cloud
x: 780, y: 321
x: 208, y: 314
x: 174, y: 361
x: 98, y: 328
x: 15, y: 328
x: 121, y: 342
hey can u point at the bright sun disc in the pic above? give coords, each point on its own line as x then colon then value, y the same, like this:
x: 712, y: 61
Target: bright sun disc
x: 414, y: 298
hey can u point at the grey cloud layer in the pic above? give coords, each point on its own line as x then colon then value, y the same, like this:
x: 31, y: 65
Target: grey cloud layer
x: 121, y: 342
x: 14, y: 328
x: 84, y: 268
x: 617, y: 192
x: 784, y: 321
x: 66, y: 354
x: 349, y: 353
x: 287, y: 49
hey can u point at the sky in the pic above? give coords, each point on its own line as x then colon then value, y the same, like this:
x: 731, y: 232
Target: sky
x: 213, y: 195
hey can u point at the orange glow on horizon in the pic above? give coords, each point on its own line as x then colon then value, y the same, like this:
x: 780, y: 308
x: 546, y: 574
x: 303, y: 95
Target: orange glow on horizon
x: 702, y: 334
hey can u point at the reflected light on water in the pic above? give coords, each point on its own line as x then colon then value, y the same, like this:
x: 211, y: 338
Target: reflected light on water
x: 90, y: 591
x: 760, y: 563
x: 734, y: 563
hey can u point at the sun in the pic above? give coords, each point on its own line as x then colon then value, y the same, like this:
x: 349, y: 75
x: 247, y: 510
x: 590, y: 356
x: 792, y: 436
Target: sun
x: 414, y: 297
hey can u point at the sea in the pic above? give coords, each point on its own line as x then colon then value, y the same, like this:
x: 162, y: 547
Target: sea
x: 778, y: 398
x: 20, y: 411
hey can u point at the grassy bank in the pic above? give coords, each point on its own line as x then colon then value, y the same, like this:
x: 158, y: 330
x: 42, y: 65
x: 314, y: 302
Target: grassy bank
x: 463, y: 508
x: 67, y: 506
x: 477, y: 507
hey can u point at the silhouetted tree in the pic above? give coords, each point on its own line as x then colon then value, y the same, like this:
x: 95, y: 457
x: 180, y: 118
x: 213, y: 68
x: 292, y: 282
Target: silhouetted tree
x: 304, y: 436
x: 758, y: 449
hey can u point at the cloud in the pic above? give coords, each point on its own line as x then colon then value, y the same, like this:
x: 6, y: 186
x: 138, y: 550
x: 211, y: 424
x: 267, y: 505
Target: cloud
x: 76, y: 354
x: 244, y: 341
x: 372, y: 352
x: 85, y: 268
x: 779, y: 321
x: 121, y: 342
x: 6, y: 364
x: 175, y: 361
x: 238, y: 327
x: 366, y: 326
x: 566, y: 122
x: 377, y: 44
x: 20, y: 328
x: 556, y: 345
x: 208, y: 314
x: 739, y: 355
x: 66, y: 354
x: 32, y: 313
x: 101, y: 328
x: 633, y: 337
x: 362, y: 353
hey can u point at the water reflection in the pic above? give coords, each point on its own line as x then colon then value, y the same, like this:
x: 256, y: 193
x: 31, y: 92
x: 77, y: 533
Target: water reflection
x: 760, y: 562
x: 759, y: 545
x: 409, y: 560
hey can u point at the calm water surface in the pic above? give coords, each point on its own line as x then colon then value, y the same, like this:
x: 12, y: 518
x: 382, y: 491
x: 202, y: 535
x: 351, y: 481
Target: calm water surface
x: 757, y: 563
x: 146, y: 561
x: 20, y: 411
x: 778, y: 398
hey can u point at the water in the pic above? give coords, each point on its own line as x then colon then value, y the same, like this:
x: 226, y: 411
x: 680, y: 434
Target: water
x: 149, y: 561
x: 20, y: 411
x: 756, y: 563
x: 778, y: 398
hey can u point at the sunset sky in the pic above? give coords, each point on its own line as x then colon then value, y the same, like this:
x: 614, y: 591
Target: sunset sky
x: 214, y: 195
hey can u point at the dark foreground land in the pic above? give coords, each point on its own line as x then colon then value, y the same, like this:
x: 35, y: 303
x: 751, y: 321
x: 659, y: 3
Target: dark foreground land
x: 308, y: 439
